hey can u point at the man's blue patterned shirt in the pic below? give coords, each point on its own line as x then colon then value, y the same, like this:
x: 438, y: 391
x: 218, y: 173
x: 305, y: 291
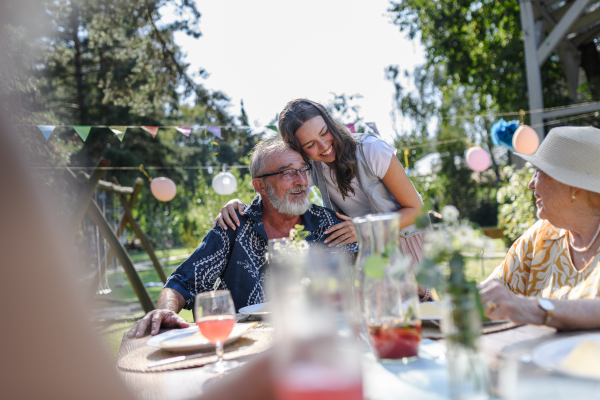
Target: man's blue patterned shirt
x: 238, y: 256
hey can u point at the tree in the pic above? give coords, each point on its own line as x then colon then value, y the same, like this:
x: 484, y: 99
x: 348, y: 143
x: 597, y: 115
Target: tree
x: 106, y: 62
x: 479, y: 43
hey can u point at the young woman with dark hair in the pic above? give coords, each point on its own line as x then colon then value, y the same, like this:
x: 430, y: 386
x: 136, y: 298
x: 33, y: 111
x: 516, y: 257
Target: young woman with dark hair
x: 356, y: 175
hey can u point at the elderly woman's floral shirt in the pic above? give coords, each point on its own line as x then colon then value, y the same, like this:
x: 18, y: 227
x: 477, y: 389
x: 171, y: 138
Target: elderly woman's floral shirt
x: 539, y: 264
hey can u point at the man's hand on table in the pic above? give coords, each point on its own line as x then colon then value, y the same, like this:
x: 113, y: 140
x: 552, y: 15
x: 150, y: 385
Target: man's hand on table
x: 157, y: 318
x: 170, y: 302
x: 501, y: 303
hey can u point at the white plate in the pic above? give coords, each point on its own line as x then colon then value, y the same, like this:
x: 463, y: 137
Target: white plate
x: 433, y: 311
x: 191, y: 339
x: 256, y: 309
x: 551, y: 355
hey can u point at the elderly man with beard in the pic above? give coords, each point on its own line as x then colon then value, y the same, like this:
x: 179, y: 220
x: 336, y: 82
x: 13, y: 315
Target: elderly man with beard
x: 237, y: 256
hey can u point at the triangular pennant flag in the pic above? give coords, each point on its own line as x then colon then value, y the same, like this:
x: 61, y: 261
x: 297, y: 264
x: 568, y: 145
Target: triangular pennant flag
x: 153, y: 130
x: 215, y: 130
x: 46, y: 130
x: 119, y: 131
x: 373, y: 127
x: 350, y: 128
x: 83, y: 131
x: 273, y: 127
x: 186, y: 130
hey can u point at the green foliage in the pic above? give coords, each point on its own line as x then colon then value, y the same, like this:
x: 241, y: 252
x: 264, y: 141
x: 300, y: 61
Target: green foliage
x: 479, y: 44
x: 198, y: 218
x: 517, y: 203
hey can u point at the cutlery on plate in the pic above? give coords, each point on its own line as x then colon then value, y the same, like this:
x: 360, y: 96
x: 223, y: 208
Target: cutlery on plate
x: 191, y: 356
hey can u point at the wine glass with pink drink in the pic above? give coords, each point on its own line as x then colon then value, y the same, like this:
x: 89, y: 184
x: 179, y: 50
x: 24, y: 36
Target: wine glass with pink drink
x: 215, y: 317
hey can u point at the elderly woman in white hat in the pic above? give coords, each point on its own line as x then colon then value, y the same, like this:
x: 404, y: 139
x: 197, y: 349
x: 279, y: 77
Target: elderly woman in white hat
x: 551, y: 275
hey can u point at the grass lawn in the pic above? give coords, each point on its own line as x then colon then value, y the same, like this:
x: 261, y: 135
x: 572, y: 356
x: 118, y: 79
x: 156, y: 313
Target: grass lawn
x: 113, y: 333
x: 143, y: 256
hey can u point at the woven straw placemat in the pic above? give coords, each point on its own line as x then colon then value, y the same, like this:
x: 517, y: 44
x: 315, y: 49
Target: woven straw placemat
x: 431, y: 331
x: 255, y: 341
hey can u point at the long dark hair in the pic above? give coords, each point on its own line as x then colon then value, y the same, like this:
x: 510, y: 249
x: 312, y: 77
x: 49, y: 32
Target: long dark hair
x: 296, y: 113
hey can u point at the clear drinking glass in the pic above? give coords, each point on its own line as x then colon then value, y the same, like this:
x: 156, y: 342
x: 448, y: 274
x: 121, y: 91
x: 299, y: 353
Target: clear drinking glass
x: 389, y: 290
x: 317, y: 358
x: 215, y: 317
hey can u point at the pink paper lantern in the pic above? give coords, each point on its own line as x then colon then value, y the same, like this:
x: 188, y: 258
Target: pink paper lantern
x: 163, y: 189
x: 478, y: 159
x: 525, y: 140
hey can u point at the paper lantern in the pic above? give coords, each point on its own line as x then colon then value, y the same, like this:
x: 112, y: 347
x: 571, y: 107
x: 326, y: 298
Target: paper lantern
x: 525, y: 140
x: 478, y: 159
x: 163, y: 189
x: 224, y: 183
x: 502, y: 133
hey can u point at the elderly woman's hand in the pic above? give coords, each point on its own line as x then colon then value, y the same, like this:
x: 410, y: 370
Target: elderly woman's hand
x: 501, y: 303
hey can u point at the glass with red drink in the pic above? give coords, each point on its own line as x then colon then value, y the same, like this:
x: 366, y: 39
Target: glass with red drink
x: 394, y: 339
x: 389, y: 290
x: 215, y: 317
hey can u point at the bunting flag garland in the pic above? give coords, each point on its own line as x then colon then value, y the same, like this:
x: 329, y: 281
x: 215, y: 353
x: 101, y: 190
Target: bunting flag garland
x: 46, y: 130
x: 215, y: 130
x: 373, y: 126
x: 83, y: 131
x: 153, y: 130
x: 186, y: 130
x: 351, y: 128
x: 273, y: 128
x: 119, y: 131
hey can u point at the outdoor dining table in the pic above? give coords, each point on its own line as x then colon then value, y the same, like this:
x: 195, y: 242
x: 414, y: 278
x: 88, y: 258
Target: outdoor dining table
x: 508, y: 352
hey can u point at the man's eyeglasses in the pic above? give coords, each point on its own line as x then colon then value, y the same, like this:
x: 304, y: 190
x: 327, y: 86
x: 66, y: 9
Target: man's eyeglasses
x: 288, y: 174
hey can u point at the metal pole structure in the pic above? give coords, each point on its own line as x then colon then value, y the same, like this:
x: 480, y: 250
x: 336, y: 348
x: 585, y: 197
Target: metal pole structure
x: 534, y: 79
x: 122, y: 255
x: 85, y: 196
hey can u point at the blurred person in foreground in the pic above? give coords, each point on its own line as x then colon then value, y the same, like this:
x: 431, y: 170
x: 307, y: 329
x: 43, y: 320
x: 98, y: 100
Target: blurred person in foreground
x: 49, y: 348
x: 551, y: 274
x: 237, y: 257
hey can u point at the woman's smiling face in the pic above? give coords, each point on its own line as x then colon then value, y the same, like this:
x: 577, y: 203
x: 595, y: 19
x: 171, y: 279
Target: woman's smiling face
x: 316, y: 141
x: 553, y: 199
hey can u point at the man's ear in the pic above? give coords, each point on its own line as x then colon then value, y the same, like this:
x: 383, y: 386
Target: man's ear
x: 259, y: 186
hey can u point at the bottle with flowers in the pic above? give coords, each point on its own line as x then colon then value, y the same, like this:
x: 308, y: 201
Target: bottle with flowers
x: 443, y: 267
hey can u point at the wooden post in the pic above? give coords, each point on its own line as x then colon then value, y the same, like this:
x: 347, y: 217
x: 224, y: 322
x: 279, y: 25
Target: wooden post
x: 122, y: 255
x: 145, y: 242
x: 85, y: 196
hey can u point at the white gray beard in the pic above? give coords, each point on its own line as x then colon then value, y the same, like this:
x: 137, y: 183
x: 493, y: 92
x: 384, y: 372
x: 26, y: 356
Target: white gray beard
x: 284, y: 206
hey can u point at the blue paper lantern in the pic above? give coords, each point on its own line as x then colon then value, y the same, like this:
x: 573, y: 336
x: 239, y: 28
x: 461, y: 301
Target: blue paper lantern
x: 502, y: 133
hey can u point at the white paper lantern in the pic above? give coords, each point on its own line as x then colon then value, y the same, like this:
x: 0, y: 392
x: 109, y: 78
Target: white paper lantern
x: 163, y: 189
x: 224, y: 183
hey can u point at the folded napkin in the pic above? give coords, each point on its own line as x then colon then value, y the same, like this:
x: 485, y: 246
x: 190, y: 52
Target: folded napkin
x: 431, y: 310
x: 583, y: 360
x: 197, y: 338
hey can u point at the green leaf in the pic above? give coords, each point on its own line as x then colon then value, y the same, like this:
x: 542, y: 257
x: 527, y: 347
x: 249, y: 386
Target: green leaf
x: 390, y: 249
x: 375, y: 266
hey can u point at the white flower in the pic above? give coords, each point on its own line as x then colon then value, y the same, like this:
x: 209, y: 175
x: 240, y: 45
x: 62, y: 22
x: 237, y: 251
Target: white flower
x: 302, y: 245
x: 450, y: 213
x: 276, y: 246
x: 293, y: 233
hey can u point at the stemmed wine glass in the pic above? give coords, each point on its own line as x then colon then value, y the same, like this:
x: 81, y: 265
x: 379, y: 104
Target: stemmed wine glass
x: 215, y: 317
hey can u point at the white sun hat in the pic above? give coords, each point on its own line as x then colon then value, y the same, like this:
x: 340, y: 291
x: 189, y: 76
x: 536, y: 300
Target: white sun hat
x: 571, y: 155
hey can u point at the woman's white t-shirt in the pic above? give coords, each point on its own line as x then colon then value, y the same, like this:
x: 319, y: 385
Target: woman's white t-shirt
x: 378, y: 155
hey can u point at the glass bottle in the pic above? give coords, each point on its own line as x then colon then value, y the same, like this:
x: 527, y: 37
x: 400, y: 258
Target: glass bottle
x: 390, y: 300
